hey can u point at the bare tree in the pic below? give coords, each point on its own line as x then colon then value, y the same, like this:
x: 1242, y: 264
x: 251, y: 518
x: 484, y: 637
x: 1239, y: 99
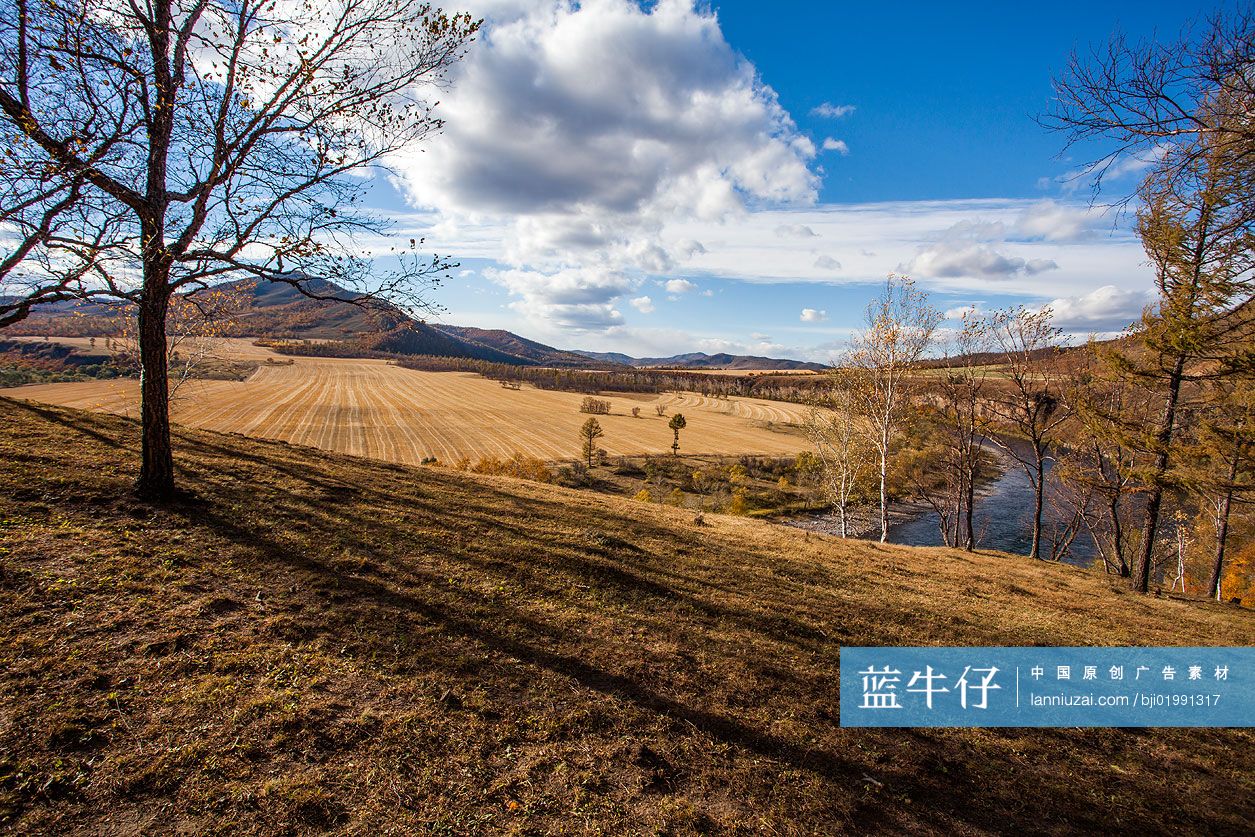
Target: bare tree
x: 900, y: 326
x: 1097, y: 472
x: 155, y: 148
x: 193, y: 322
x: 1030, y: 401
x: 962, y: 407
x: 1141, y: 100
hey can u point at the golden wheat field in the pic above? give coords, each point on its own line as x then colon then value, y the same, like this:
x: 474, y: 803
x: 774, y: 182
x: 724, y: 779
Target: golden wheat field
x: 372, y: 408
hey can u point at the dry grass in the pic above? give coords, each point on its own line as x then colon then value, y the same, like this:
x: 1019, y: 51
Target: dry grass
x: 313, y: 641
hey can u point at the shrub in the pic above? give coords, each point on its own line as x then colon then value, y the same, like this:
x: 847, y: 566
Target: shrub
x: 643, y: 495
x: 518, y: 466
x: 596, y: 406
x: 575, y: 475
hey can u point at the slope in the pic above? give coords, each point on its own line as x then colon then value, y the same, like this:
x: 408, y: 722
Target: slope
x: 315, y: 641
x: 512, y: 344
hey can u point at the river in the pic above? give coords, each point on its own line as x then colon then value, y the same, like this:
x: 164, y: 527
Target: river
x: 1002, y: 519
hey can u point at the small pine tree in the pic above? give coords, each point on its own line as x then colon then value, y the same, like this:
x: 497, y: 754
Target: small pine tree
x: 589, y: 434
x: 676, y: 424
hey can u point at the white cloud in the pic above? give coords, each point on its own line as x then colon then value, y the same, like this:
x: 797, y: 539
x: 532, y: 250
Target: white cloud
x: 574, y: 299
x: 827, y: 263
x: 1139, y: 162
x: 581, y: 131
x: 948, y: 259
x: 643, y: 304
x: 679, y: 286
x: 810, y: 315
x: 961, y: 311
x: 1105, y: 309
x: 1052, y: 221
x: 794, y: 231
x: 690, y: 248
x: 831, y: 111
x: 758, y: 335
x: 872, y: 239
x: 836, y: 145
x: 1117, y: 168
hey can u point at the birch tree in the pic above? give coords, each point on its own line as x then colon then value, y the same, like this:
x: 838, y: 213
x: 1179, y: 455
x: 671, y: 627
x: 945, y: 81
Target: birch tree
x: 881, y: 360
x: 841, y: 444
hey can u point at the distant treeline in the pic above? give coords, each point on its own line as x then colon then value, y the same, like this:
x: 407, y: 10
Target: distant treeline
x: 795, y: 388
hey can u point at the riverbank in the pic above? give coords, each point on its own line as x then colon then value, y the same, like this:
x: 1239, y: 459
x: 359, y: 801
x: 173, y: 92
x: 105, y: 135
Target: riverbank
x: 862, y: 521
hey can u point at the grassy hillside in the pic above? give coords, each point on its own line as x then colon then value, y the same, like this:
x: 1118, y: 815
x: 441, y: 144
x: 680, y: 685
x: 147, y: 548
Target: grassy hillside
x: 315, y: 641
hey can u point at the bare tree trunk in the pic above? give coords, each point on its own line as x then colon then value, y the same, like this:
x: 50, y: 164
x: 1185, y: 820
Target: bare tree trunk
x: 1117, y: 535
x: 1222, y: 531
x: 884, y: 490
x: 969, y: 542
x: 960, y: 493
x: 1039, y: 471
x: 156, y: 476
x: 1163, y: 439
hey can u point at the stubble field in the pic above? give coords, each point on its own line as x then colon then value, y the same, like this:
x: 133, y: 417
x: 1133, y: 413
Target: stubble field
x: 372, y: 408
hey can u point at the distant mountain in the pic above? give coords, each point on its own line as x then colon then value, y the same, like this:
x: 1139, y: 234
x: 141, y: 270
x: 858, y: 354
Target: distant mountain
x: 414, y: 338
x: 277, y: 310
x: 268, y: 309
x: 274, y: 309
x: 512, y: 344
x: 608, y: 357
x: 701, y: 360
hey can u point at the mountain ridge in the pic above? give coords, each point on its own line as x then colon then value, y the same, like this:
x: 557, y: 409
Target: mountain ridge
x: 701, y: 360
x: 279, y: 311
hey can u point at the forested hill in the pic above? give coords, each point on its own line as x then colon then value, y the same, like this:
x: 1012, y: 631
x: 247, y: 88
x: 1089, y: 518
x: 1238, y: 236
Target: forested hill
x: 281, y: 312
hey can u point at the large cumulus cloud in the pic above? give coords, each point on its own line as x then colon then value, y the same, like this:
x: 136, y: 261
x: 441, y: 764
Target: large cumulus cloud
x: 586, y: 129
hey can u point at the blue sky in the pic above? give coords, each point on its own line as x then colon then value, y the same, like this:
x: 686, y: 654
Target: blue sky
x: 664, y: 178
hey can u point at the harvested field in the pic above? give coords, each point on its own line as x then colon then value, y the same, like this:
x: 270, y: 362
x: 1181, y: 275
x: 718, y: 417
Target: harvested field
x: 372, y: 408
x: 224, y: 348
